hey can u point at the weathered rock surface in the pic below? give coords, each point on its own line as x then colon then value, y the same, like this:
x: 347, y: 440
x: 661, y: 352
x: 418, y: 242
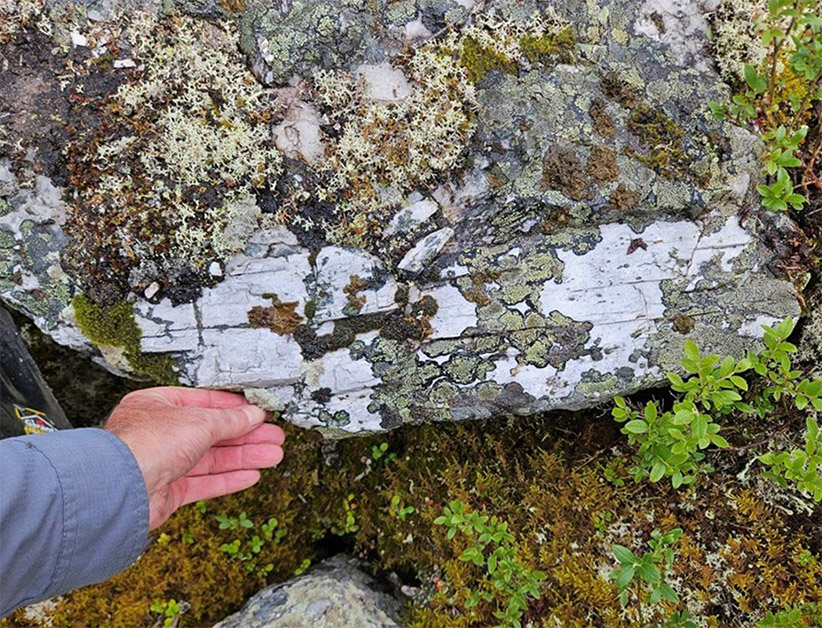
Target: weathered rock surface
x: 593, y: 226
x: 334, y: 594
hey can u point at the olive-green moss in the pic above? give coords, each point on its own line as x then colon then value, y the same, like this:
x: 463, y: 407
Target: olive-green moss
x: 735, y: 559
x: 115, y: 326
x: 479, y: 60
x: 663, y: 139
x: 550, y: 45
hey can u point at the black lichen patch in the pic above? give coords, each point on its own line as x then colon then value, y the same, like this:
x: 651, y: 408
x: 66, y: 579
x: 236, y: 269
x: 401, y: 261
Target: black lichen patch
x: 396, y: 325
x: 562, y: 170
x: 602, y: 164
x: 37, y: 116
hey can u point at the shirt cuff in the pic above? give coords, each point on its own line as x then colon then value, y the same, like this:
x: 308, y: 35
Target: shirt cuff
x: 105, y: 505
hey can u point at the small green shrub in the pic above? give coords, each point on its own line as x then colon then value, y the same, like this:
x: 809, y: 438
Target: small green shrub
x: 399, y: 509
x: 491, y: 547
x: 247, y: 549
x: 168, y: 612
x: 776, y: 99
x: 679, y: 620
x: 650, y: 568
x: 793, y: 617
x: 349, y: 523
x: 801, y: 468
x: 671, y: 443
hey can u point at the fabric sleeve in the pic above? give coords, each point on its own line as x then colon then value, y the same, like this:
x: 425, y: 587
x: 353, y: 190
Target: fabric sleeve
x: 73, y: 511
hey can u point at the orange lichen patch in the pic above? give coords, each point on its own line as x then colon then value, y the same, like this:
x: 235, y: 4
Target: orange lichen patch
x: 602, y: 164
x: 623, y: 198
x: 281, y: 318
x: 603, y: 123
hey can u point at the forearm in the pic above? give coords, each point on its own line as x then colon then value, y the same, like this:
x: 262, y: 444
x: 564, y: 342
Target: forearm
x: 73, y: 511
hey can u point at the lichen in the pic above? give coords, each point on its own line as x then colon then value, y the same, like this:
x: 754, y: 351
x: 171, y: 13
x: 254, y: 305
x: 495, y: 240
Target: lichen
x: 16, y: 15
x: 602, y: 164
x: 167, y: 186
x: 281, y: 318
x: 603, y: 122
x: 562, y: 170
x: 623, y: 198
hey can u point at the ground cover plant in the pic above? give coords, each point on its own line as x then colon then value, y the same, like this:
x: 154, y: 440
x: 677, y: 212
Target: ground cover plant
x: 513, y: 523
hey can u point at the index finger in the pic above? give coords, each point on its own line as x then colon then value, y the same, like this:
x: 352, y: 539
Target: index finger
x: 201, y: 397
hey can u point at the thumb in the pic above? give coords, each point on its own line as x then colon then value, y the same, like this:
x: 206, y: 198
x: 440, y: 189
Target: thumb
x: 227, y: 423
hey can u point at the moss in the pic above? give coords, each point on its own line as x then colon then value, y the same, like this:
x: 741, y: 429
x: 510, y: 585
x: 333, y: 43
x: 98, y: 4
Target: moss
x: 739, y: 555
x: 115, y: 326
x: 663, y: 139
x: 538, y: 49
x: 479, y: 60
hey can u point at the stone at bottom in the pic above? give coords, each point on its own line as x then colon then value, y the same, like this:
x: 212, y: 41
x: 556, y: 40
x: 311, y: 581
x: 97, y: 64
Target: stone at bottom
x: 334, y: 594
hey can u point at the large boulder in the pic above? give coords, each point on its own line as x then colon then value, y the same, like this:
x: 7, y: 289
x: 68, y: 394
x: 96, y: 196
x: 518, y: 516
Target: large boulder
x: 532, y: 212
x: 334, y: 594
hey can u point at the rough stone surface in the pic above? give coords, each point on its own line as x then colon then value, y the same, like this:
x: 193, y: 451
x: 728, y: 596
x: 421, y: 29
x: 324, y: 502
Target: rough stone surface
x: 594, y: 223
x: 334, y: 594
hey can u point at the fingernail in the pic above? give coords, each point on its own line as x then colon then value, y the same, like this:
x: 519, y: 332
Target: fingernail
x: 254, y: 414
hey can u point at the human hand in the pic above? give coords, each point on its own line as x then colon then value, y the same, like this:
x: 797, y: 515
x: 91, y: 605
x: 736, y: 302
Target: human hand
x: 193, y: 444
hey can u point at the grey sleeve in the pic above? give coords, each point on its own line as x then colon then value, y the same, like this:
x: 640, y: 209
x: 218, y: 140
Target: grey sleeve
x: 73, y: 511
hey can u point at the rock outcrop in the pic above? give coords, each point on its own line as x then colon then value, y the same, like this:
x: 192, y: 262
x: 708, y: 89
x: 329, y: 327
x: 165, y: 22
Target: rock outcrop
x: 532, y: 211
x: 334, y: 594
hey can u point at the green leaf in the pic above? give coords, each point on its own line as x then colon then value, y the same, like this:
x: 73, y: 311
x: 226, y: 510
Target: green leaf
x: 691, y: 350
x: 624, y: 555
x: 625, y: 575
x: 637, y: 426
x: 717, y: 440
x: 657, y: 471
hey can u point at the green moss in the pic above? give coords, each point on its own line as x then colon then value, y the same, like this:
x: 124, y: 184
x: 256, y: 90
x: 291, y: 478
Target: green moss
x: 115, y: 326
x: 664, y: 141
x: 479, y: 60
x: 734, y: 561
x: 547, y: 46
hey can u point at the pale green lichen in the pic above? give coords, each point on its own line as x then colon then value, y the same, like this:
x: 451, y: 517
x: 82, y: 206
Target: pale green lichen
x: 189, y: 146
x: 387, y: 149
x: 736, y: 34
x: 18, y: 14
